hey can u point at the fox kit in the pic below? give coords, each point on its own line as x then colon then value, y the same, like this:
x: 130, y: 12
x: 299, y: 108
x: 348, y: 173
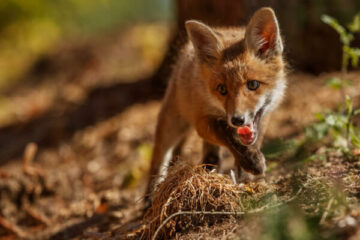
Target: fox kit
x: 223, y: 81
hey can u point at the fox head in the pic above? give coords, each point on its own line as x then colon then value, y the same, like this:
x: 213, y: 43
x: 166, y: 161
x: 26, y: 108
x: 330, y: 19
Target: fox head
x: 243, y: 68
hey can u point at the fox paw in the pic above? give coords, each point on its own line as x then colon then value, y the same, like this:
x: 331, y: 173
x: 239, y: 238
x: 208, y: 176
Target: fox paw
x: 252, y: 161
x: 239, y: 177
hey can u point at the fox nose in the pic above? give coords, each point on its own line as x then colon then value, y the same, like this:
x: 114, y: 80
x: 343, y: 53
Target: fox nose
x: 238, y: 120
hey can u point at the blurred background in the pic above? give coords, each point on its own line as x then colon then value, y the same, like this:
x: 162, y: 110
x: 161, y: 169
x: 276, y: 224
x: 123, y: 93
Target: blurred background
x: 54, y: 54
x: 31, y: 29
x: 81, y: 83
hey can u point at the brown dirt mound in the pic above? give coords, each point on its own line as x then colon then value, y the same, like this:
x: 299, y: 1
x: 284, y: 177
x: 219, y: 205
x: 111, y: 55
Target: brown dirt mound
x: 190, y: 189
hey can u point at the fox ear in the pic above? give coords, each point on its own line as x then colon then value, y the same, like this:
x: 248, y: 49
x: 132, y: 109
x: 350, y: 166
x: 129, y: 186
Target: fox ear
x: 206, y: 44
x: 262, y: 35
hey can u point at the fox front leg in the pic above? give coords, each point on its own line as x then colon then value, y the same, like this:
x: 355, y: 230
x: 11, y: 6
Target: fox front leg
x: 169, y: 135
x: 218, y: 132
x: 210, y: 155
x: 248, y: 158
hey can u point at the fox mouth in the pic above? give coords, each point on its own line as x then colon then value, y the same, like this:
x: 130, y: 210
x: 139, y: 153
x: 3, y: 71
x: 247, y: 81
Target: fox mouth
x: 249, y: 133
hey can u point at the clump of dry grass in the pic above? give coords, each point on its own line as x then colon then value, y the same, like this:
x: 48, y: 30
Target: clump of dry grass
x: 190, y: 188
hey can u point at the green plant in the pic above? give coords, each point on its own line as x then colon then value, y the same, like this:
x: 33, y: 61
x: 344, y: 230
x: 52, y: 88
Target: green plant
x: 346, y: 37
x: 348, y: 52
x: 339, y: 125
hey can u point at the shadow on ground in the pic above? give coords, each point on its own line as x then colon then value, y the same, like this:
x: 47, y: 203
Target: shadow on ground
x: 52, y: 127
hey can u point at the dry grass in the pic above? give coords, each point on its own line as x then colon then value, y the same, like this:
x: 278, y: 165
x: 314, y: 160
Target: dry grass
x: 191, y: 189
x: 191, y: 200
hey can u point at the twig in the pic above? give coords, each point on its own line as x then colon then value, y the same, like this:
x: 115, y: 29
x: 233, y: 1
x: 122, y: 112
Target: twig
x: 348, y: 125
x: 323, y: 217
x: 38, y: 216
x: 28, y: 158
x: 232, y: 213
x: 29, y: 153
x: 193, y: 213
x: 12, y: 228
x: 95, y: 235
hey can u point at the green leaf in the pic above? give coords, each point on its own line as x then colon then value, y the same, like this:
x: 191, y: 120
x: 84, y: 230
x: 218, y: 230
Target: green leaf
x: 311, y: 158
x: 354, y: 26
x: 340, y: 141
x: 335, y: 122
x: 354, y: 54
x: 334, y: 83
x: 345, y: 37
x: 278, y: 147
x: 355, y: 140
x: 330, y: 120
x: 356, y: 112
x: 355, y: 61
x: 349, y: 105
x: 332, y: 22
x: 319, y: 116
x: 317, y: 131
x: 145, y: 152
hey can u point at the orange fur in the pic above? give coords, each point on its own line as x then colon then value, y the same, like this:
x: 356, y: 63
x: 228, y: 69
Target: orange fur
x: 228, y: 56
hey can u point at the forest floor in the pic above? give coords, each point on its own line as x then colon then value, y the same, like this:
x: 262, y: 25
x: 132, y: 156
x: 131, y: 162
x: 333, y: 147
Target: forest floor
x: 76, y: 142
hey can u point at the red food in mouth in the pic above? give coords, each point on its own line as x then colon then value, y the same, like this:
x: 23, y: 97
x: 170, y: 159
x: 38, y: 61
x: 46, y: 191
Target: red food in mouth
x: 246, y: 135
x: 244, y: 130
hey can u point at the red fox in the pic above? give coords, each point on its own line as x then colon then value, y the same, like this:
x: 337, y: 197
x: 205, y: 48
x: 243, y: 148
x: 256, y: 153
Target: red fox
x: 224, y: 80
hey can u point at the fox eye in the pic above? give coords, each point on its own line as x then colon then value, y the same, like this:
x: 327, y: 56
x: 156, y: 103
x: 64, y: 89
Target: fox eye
x: 222, y: 89
x: 253, y: 85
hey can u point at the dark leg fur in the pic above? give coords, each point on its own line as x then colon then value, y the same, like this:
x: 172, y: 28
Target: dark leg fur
x: 210, y: 155
x: 247, y: 157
